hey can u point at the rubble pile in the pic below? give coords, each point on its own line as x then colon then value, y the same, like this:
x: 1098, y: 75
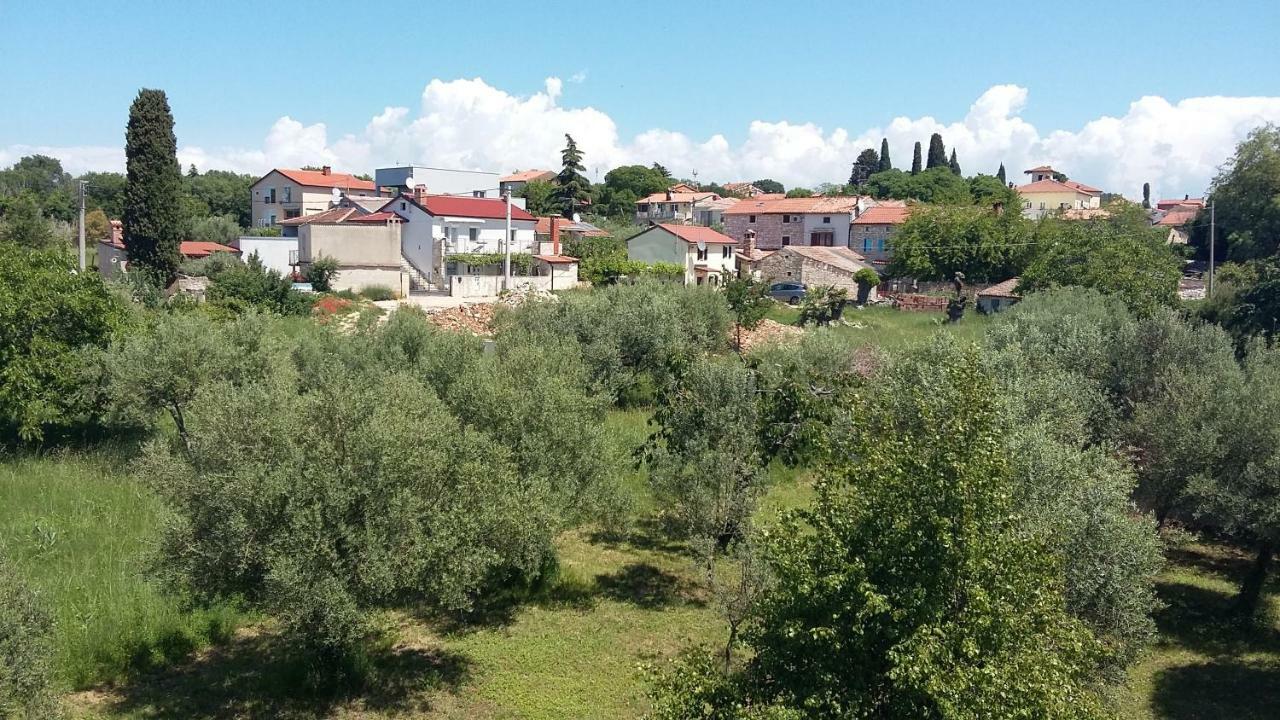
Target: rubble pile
x: 475, y: 319
x: 526, y: 293
x: 768, y: 331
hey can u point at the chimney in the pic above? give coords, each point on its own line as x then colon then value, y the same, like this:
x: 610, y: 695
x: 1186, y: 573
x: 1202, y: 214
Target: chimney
x: 555, y: 236
x: 419, y: 192
x: 1186, y: 197
x: 668, y: 194
x: 326, y: 170
x: 117, y: 232
x: 751, y: 245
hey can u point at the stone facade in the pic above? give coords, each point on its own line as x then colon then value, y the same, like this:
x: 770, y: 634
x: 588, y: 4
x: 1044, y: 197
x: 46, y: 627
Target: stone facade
x: 770, y: 229
x: 789, y: 265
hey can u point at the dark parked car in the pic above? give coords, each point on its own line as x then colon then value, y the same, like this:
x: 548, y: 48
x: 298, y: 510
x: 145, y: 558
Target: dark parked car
x: 789, y: 292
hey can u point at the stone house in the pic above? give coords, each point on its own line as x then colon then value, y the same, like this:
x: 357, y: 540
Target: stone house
x: 814, y: 266
x: 812, y: 221
x: 873, y: 229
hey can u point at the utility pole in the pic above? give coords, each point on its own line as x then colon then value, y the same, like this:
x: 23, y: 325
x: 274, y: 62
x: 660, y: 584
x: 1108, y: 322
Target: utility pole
x: 1213, y: 206
x: 506, y: 243
x: 82, y: 184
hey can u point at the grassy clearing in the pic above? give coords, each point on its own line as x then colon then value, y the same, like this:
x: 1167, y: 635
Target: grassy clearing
x: 889, y: 329
x: 76, y: 527
x: 1204, y: 666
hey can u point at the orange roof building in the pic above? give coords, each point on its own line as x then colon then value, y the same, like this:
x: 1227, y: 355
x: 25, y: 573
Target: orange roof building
x: 286, y: 193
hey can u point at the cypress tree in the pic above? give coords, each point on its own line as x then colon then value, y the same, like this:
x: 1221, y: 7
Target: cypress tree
x: 885, y: 164
x: 953, y: 163
x: 864, y: 167
x: 572, y: 187
x: 1000, y: 174
x: 915, y: 160
x: 153, y: 187
x: 1146, y: 196
x: 937, y: 152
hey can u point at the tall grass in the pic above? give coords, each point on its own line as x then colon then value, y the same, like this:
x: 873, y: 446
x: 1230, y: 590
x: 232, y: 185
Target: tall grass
x: 77, y: 527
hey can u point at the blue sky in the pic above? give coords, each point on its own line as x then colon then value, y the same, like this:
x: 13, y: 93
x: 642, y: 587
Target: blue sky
x: 232, y: 69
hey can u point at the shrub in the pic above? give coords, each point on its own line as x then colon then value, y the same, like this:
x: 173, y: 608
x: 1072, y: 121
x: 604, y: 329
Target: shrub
x: 212, y: 265
x: 254, y: 285
x: 823, y: 305
x: 26, y: 641
x: 378, y: 292
x: 320, y: 273
x: 49, y: 314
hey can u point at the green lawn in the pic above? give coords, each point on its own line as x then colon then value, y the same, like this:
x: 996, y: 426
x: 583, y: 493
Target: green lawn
x: 77, y: 527
x: 889, y: 329
x: 1204, y: 666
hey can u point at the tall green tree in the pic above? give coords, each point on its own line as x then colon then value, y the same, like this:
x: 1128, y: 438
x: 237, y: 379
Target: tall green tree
x: 1000, y: 174
x: 936, y: 242
x: 953, y: 163
x: 1146, y: 196
x: 539, y: 197
x: 152, y: 216
x: 937, y: 152
x: 24, y: 224
x: 573, y: 190
x: 867, y: 164
x: 1244, y: 193
x: 885, y: 163
x: 915, y: 159
x: 769, y: 186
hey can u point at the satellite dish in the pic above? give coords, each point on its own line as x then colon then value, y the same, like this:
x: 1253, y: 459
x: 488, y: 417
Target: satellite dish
x: 336, y: 194
x: 702, y: 245
x: 411, y: 182
x: 577, y: 218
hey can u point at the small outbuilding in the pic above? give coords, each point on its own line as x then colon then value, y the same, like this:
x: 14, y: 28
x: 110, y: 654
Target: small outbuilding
x: 1000, y: 296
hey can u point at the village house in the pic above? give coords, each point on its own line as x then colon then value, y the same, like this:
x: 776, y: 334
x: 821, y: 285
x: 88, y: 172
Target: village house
x: 742, y: 190
x: 676, y: 205
x: 1178, y: 217
x: 873, y: 230
x: 1050, y: 191
x: 812, y: 221
x: 437, y: 226
x: 285, y: 193
x: 392, y: 181
x: 365, y: 246
x: 748, y: 256
x: 113, y: 257
x: 814, y: 266
x: 569, y: 229
x: 706, y: 255
x: 516, y: 181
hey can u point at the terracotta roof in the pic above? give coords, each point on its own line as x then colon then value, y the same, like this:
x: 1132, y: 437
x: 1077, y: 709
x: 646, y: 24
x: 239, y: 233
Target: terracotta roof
x: 527, y: 176
x: 683, y: 187
x: 1179, y: 216
x: 317, y: 178
x: 840, y: 258
x: 1048, y: 186
x: 332, y: 215
x: 756, y: 256
x: 678, y: 197
x: 200, y: 248
x: 377, y: 217
x: 883, y: 215
x: 470, y: 207
x: 693, y: 233
x: 1006, y: 289
x: 1082, y: 187
x: 809, y: 205
x: 770, y: 196
x: 557, y: 259
x: 1042, y: 168
x: 1170, y: 204
x: 543, y: 227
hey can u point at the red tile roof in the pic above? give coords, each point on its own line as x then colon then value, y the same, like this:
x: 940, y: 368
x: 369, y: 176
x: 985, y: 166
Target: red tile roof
x: 1082, y: 187
x: 812, y: 205
x: 676, y: 197
x: 1048, y: 186
x: 470, y: 207
x: 1006, y: 289
x: 527, y: 176
x: 317, y: 178
x: 1179, y: 216
x: 1170, y: 204
x: 332, y: 215
x: 1042, y: 168
x: 377, y: 217
x: 694, y: 233
x: 200, y: 248
x: 557, y: 259
x: 883, y: 215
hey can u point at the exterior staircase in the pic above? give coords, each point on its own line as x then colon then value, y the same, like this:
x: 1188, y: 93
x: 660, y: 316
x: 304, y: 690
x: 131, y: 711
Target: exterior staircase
x: 417, y: 281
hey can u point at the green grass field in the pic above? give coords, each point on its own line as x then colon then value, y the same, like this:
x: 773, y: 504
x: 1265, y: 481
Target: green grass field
x: 78, y: 527
x: 889, y: 329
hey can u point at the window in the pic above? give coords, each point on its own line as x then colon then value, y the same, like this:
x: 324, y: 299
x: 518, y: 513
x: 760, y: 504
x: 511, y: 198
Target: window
x: 866, y: 244
x: 1041, y: 206
x: 271, y: 219
x: 477, y: 193
x: 702, y: 254
x: 751, y: 218
x: 288, y: 194
x: 826, y: 220
x: 1026, y: 205
x: 822, y: 238
x: 786, y: 239
x: 473, y: 234
x: 402, y: 207
x: 271, y: 196
x: 288, y: 214
x: 726, y: 252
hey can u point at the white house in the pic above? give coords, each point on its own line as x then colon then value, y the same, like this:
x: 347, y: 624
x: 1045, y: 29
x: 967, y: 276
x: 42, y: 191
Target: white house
x: 706, y: 255
x: 278, y: 253
x: 438, y: 181
x: 1050, y: 191
x: 285, y: 193
x: 441, y: 225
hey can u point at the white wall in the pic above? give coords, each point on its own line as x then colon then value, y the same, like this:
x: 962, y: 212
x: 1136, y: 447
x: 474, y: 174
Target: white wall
x: 839, y: 226
x: 491, y: 285
x: 441, y: 181
x: 272, y: 251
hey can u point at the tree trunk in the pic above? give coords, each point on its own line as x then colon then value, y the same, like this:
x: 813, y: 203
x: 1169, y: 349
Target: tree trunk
x: 1246, y: 602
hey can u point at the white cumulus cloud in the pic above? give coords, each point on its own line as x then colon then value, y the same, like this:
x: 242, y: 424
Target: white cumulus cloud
x: 468, y: 123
